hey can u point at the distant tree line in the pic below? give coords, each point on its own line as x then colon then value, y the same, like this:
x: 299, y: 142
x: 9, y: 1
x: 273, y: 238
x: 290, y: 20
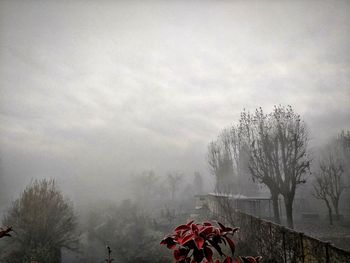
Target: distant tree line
x: 45, y: 224
x: 333, y: 170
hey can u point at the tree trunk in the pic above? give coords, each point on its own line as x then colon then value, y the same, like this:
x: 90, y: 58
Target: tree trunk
x: 288, y: 202
x: 336, y: 209
x: 276, y: 212
x: 329, y: 212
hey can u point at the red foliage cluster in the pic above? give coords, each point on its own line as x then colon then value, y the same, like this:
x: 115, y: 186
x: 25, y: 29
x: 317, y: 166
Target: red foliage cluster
x: 5, y: 232
x: 194, y: 243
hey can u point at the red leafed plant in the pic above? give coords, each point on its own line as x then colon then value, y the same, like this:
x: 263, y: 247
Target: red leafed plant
x: 194, y: 243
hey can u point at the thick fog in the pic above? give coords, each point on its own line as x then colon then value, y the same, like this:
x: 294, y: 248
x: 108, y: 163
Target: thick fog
x: 95, y: 94
x: 92, y: 92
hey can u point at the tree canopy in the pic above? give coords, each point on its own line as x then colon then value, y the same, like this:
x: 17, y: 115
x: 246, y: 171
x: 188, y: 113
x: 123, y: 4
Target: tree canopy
x: 44, y: 223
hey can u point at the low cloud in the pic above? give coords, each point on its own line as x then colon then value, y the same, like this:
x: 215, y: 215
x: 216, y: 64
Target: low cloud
x: 101, y: 90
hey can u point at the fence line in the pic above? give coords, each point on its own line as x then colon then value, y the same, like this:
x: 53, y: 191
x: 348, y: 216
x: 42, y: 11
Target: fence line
x: 277, y: 243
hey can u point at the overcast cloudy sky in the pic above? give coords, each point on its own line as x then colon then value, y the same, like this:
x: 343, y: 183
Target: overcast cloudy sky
x: 99, y: 89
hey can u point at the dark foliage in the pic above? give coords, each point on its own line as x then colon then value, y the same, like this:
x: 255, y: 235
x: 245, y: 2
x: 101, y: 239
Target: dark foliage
x: 196, y: 243
x: 5, y: 232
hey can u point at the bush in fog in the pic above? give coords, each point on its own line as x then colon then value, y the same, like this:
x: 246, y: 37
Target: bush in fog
x: 131, y: 234
x: 44, y: 223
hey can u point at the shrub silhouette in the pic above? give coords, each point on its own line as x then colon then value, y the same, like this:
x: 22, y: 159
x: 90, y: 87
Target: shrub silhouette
x: 44, y: 222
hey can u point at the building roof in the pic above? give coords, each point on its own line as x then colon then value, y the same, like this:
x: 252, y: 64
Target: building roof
x: 239, y: 196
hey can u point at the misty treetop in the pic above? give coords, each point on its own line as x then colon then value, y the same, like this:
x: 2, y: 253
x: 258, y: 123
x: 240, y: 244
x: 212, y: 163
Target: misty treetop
x: 271, y: 146
x: 43, y: 221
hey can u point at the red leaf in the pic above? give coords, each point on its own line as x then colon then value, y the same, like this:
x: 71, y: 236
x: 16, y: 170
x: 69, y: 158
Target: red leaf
x: 186, y: 238
x: 198, y: 255
x: 215, y: 245
x: 180, y: 254
x: 206, y: 230
x: 5, y: 232
x: 171, y: 246
x: 177, y: 254
x: 217, y: 231
x: 248, y: 259
x: 208, y: 253
x: 190, y: 223
x: 223, y: 241
x: 182, y: 227
x: 229, y: 230
x: 196, y: 243
x: 258, y: 259
x: 169, y: 242
x: 231, y: 244
x: 199, y: 242
x: 184, y: 252
x: 194, y: 227
x: 221, y: 226
x: 234, y: 230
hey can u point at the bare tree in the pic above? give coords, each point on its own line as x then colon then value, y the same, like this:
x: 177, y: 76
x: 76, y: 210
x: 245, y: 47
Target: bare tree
x: 228, y: 158
x: 290, y: 158
x: 344, y: 139
x: 333, y: 170
x: 333, y: 166
x: 174, y: 180
x: 343, y: 150
x: 278, y: 153
x: 321, y: 192
x: 343, y: 142
x: 257, y: 136
x: 221, y: 166
x: 330, y: 182
x: 239, y: 150
x: 233, y: 143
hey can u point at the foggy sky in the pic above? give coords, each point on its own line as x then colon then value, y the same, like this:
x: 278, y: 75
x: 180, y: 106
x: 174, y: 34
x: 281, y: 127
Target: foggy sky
x: 92, y: 91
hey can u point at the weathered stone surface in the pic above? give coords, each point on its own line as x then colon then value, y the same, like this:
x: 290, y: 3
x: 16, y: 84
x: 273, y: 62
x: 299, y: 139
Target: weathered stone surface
x: 280, y: 244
